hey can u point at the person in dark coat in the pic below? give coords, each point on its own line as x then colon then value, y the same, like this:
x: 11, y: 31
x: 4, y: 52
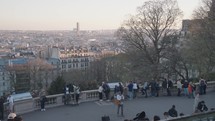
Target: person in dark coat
x: 1, y: 108
x: 121, y: 88
x: 172, y: 112
x: 169, y: 86
x: 202, y: 107
x: 43, y: 100
x: 106, y: 90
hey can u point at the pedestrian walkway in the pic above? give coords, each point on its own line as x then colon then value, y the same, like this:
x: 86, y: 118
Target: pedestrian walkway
x: 92, y: 111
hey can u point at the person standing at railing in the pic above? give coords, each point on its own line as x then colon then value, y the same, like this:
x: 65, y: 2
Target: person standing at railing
x: 77, y: 93
x: 11, y: 103
x: 100, y: 90
x: 135, y: 89
x: 202, y: 86
x: 106, y: 90
x: 66, y: 94
x: 179, y: 87
x: 43, y: 99
x: 185, y: 87
x: 1, y: 108
x: 130, y: 90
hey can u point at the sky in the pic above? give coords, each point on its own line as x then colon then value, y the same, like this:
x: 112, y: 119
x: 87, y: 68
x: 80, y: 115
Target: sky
x: 64, y: 14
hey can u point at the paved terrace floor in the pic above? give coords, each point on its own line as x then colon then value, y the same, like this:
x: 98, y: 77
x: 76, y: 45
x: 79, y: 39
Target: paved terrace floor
x: 92, y: 111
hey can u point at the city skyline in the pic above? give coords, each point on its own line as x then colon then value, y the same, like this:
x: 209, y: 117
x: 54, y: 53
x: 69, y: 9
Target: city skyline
x: 64, y: 14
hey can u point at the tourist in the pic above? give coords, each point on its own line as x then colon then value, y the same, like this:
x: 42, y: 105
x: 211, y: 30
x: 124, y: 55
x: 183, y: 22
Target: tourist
x: 157, y: 88
x: 190, y: 90
x: 185, y: 87
x: 153, y: 87
x: 164, y: 85
x: 100, y: 90
x: 121, y: 88
x: 135, y: 89
x: 1, y: 108
x: 66, y: 94
x: 202, y: 107
x: 43, y: 99
x: 130, y: 90
x: 11, y: 117
x: 193, y: 89
x: 120, y: 99
x: 202, y: 86
x: 169, y: 86
x: 179, y: 87
x: 116, y: 89
x: 106, y: 90
x: 77, y: 93
x: 145, y: 88
x: 11, y: 103
x: 172, y: 112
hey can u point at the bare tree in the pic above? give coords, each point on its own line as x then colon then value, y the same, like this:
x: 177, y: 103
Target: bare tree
x: 39, y: 70
x: 201, y: 44
x: 148, y: 31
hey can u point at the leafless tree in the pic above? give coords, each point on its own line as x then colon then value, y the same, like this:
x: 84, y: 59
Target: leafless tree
x: 201, y: 44
x: 148, y: 32
x: 39, y: 70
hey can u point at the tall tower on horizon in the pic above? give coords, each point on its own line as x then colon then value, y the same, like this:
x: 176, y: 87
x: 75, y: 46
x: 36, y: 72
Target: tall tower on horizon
x: 78, y: 29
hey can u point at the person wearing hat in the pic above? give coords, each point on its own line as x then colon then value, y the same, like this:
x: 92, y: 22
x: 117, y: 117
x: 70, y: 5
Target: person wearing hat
x: 11, y: 117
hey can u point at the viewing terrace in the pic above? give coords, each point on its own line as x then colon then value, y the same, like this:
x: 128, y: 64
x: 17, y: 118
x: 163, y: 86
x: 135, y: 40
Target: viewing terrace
x: 90, y: 109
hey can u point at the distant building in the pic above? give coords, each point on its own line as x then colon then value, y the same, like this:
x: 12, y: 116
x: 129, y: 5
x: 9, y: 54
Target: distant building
x: 66, y: 59
x: 12, y: 77
x: 78, y: 28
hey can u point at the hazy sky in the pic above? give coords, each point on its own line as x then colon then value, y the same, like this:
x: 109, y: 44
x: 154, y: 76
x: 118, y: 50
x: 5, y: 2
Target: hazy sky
x: 63, y: 14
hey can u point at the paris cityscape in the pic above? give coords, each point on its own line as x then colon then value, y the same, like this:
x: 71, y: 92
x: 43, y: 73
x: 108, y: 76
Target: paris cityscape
x: 153, y: 60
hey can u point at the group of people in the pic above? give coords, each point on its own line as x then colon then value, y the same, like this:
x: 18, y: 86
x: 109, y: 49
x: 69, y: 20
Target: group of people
x: 3, y: 99
x: 104, y: 92
x: 188, y: 89
x: 171, y: 113
x: 12, y: 115
x: 71, y: 91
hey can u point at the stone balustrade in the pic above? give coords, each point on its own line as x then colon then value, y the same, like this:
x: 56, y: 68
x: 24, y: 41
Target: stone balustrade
x: 30, y: 105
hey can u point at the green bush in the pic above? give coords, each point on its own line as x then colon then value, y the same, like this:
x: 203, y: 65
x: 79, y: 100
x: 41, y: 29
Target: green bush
x: 57, y: 86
